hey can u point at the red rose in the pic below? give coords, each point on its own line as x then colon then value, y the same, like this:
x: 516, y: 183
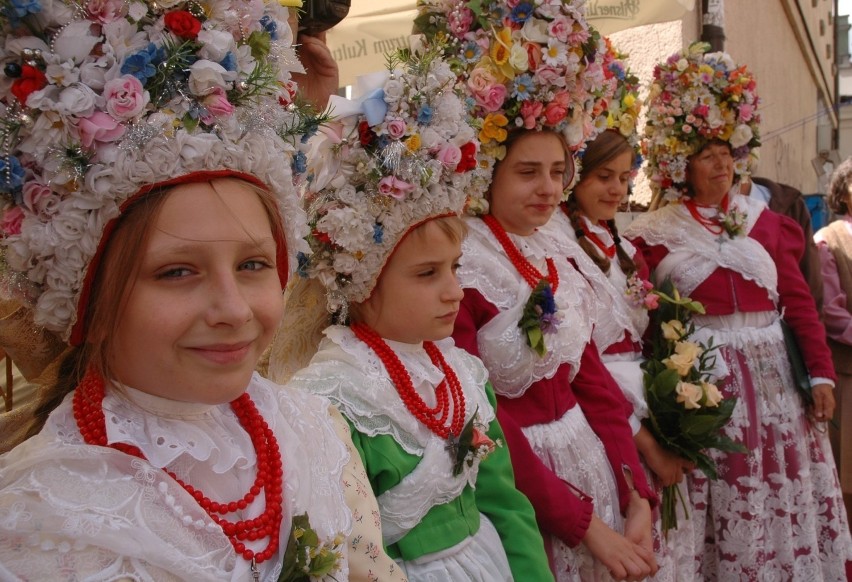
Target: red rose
x: 183, y: 24
x: 321, y: 236
x: 468, y: 158
x: 31, y: 79
x: 365, y: 134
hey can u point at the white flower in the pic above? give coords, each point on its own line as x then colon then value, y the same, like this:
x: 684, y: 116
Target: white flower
x: 741, y: 136
x: 77, y: 100
x: 205, y: 76
x: 535, y: 30
x: 215, y: 44
x: 345, y: 263
x: 75, y: 41
x: 518, y: 58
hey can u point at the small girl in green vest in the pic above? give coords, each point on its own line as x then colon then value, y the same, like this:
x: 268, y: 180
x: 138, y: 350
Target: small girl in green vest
x: 386, y: 244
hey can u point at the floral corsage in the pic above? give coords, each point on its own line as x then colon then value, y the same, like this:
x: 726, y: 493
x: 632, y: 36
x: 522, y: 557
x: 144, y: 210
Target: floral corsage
x: 733, y: 222
x: 307, y: 557
x: 472, y: 446
x: 639, y: 294
x: 540, y: 316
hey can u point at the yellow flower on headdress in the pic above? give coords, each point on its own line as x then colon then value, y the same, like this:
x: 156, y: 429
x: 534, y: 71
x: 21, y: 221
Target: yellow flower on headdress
x: 493, y: 127
x: 501, y: 47
x: 413, y: 143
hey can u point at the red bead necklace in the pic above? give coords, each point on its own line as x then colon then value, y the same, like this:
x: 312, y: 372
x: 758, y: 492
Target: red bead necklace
x: 435, y: 418
x: 89, y: 414
x: 608, y: 251
x: 712, y: 224
x: 527, y: 270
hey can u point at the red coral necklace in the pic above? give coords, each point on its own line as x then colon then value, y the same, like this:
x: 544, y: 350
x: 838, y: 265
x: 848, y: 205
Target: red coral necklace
x: 449, y: 390
x: 712, y: 224
x: 89, y: 414
x: 608, y: 251
x: 527, y: 270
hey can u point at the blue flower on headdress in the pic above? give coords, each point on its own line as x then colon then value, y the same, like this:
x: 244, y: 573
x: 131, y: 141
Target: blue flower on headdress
x: 270, y: 27
x: 303, y: 262
x: 229, y: 63
x: 300, y: 163
x: 522, y: 87
x: 522, y: 12
x: 11, y: 174
x: 142, y: 64
x: 378, y: 233
x: 21, y: 8
x: 471, y: 52
x: 424, y: 117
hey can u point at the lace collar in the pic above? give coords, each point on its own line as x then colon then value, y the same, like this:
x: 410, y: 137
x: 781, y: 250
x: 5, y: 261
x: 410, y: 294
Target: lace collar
x: 350, y: 374
x: 167, y: 430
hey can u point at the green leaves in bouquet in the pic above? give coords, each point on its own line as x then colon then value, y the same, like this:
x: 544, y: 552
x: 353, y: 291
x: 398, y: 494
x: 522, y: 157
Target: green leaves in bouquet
x: 306, y: 556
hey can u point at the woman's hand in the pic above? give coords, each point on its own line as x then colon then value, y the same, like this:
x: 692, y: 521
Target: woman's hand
x: 823, y: 402
x: 668, y: 468
x: 624, y: 559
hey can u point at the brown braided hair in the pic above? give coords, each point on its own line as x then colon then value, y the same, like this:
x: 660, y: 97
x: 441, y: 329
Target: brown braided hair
x: 605, y: 147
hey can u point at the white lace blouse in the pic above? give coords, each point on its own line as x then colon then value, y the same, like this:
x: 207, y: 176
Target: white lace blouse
x: 68, y: 509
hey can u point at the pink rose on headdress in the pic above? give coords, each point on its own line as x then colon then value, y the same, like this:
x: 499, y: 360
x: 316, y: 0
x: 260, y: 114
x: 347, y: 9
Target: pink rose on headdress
x: 39, y: 198
x: 560, y: 27
x: 533, y: 55
x: 459, y: 21
x: 125, y: 97
x: 449, y: 155
x: 394, y: 187
x: 491, y: 99
x: 396, y: 128
x: 530, y: 111
x: 480, y: 80
x: 557, y: 109
x: 105, y: 11
x: 99, y: 127
x: 11, y: 222
x: 217, y: 106
x: 746, y: 112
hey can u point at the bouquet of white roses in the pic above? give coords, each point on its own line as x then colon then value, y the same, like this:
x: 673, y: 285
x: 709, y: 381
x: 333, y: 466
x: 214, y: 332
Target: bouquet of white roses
x: 686, y: 410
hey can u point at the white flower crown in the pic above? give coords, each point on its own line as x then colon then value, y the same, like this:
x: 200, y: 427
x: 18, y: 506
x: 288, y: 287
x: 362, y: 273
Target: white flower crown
x: 400, y: 155
x: 104, y: 97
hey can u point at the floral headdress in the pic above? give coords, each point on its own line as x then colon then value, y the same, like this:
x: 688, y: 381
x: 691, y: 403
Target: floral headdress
x: 525, y: 65
x: 101, y: 100
x: 697, y: 97
x: 398, y: 157
x: 622, y: 109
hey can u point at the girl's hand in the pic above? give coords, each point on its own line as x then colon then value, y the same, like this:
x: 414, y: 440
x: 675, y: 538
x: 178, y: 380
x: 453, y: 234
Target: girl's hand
x: 668, y: 468
x: 624, y: 559
x: 638, y: 527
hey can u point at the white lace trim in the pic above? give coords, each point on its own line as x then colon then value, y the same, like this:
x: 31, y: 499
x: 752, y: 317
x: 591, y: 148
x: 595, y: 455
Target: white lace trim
x: 430, y: 483
x: 513, y: 367
x: 117, y: 513
x: 349, y: 373
x: 694, y: 252
x: 613, y: 315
